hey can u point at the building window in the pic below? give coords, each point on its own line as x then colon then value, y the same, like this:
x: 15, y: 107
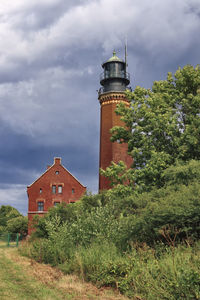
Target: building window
x: 53, y: 189
x: 73, y: 191
x: 56, y: 203
x: 60, y: 189
x: 40, y: 206
x: 57, y: 172
x: 40, y: 191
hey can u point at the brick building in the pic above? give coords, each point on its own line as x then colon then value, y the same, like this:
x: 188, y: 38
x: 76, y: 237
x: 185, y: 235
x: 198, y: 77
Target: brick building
x: 114, y: 80
x: 54, y: 186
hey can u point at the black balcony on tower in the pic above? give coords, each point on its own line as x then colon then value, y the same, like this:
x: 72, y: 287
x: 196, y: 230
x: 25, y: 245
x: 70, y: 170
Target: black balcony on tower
x: 114, y: 77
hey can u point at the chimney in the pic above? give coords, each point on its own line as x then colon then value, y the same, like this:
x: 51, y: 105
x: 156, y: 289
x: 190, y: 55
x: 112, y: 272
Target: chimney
x: 57, y: 160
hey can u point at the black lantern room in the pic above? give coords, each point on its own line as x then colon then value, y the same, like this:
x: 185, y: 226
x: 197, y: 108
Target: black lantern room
x: 114, y: 77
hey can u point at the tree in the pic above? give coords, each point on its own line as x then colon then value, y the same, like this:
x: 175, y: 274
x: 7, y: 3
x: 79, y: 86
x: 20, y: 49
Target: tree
x: 7, y: 212
x: 18, y: 225
x: 162, y: 126
x: 117, y: 173
x: 12, y: 221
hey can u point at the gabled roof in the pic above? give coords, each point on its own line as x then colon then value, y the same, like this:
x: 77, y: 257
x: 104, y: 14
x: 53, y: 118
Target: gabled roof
x: 50, y: 167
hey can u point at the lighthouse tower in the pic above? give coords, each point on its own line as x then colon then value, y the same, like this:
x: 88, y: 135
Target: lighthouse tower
x: 114, y: 81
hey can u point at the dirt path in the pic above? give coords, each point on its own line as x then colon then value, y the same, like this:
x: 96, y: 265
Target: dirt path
x: 23, y: 278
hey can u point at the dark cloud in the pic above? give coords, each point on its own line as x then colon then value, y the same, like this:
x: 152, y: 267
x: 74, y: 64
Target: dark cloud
x: 37, y: 15
x: 50, y: 60
x: 193, y: 8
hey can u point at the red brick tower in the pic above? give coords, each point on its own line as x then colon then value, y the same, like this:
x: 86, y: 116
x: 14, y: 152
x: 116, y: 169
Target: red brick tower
x: 114, y: 81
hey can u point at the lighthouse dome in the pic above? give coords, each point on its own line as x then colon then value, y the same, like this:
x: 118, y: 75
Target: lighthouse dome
x: 114, y: 58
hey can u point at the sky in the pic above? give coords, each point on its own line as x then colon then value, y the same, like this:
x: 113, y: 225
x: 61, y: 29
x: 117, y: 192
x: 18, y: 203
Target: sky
x: 51, y: 53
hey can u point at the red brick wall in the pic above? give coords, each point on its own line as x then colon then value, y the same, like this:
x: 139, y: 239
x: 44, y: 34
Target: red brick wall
x: 45, y: 182
x: 110, y: 151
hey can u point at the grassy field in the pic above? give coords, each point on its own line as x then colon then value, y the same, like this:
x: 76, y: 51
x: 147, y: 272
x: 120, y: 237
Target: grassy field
x: 23, y: 278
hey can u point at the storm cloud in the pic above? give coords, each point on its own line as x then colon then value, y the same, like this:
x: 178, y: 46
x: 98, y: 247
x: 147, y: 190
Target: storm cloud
x: 50, y: 60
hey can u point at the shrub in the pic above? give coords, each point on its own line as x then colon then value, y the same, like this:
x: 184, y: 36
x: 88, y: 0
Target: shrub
x: 18, y: 225
x: 173, y: 274
x: 130, y: 241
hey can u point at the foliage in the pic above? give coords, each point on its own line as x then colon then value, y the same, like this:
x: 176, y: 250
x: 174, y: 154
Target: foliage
x: 66, y: 212
x: 12, y: 221
x: 93, y: 262
x: 7, y: 212
x: 123, y: 217
x: 143, y: 244
x: 2, y: 229
x: 118, y: 174
x: 182, y: 173
x: 173, y: 209
x: 18, y: 225
x: 143, y: 272
x: 89, y: 201
x: 162, y: 126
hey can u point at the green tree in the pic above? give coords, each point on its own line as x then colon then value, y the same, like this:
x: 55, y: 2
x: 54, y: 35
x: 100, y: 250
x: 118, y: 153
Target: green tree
x: 7, y: 212
x: 162, y: 126
x: 18, y: 225
x: 12, y: 221
x: 118, y: 173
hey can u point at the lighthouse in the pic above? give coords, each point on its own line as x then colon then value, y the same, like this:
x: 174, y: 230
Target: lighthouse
x: 114, y: 81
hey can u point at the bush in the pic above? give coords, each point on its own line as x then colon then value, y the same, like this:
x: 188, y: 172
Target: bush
x: 177, y: 211
x: 142, y: 272
x: 101, y: 263
x: 173, y: 275
x: 182, y: 173
x: 130, y: 241
x: 66, y: 213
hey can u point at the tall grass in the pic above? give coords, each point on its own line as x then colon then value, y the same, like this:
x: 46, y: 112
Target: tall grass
x: 160, y: 273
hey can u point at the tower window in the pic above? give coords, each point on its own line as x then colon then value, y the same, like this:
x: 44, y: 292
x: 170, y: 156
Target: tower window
x: 60, y: 189
x: 57, y: 172
x: 53, y: 189
x: 73, y: 191
x: 40, y: 206
x: 40, y: 191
